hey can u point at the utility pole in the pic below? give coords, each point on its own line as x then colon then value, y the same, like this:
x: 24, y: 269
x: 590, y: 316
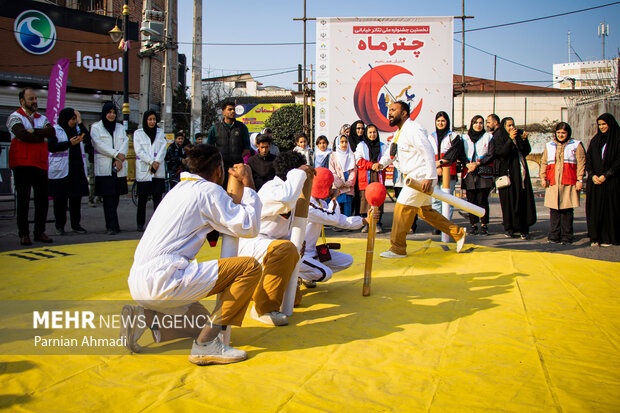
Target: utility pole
x: 569, y: 46
x: 125, y: 66
x: 463, y: 17
x: 494, y: 79
x: 168, y: 82
x: 306, y: 126
x: 603, y: 31
x: 197, y: 70
x: 145, y: 67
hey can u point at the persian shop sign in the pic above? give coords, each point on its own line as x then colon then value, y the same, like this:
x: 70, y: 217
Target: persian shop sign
x: 35, y: 43
x: 255, y: 115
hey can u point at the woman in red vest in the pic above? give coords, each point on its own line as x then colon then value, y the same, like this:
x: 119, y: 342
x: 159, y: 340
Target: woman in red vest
x: 561, y: 173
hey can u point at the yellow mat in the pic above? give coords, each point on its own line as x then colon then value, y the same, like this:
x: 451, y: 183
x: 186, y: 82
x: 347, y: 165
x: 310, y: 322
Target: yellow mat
x: 489, y: 330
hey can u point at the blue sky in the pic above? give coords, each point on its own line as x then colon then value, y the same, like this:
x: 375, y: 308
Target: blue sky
x: 537, y: 44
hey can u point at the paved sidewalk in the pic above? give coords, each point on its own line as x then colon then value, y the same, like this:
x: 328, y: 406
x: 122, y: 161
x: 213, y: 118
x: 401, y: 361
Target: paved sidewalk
x: 92, y: 220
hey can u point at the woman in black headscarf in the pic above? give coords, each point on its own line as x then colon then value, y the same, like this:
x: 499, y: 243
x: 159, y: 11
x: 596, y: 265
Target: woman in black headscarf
x: 371, y: 153
x: 149, y: 143
x: 111, y: 144
x: 603, y: 185
x: 474, y: 151
x: 67, y: 169
x: 511, y: 146
x: 357, y: 132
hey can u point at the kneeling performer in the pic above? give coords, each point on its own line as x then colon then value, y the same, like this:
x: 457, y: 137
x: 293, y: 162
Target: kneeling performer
x: 166, y: 279
x: 324, y: 211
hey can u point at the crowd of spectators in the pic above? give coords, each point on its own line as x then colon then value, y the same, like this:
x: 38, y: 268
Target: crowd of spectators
x: 59, y: 163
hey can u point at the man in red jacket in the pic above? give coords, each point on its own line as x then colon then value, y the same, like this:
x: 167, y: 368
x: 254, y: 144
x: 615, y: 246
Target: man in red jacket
x: 28, y: 159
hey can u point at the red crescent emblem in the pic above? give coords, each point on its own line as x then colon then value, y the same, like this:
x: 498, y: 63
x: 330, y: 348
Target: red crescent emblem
x: 367, y: 91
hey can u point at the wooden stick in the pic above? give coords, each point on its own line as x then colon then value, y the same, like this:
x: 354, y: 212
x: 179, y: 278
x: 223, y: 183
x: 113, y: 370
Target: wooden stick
x: 370, y: 250
x: 298, y: 234
x: 446, y: 197
x: 230, y: 244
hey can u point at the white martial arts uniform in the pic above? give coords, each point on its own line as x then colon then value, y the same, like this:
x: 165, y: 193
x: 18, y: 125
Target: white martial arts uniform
x: 320, y: 213
x: 415, y: 159
x: 278, y: 199
x: 165, y: 275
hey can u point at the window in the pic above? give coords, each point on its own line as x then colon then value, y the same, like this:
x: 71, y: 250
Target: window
x: 240, y: 85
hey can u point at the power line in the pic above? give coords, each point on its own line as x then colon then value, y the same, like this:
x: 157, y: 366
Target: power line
x: 538, y: 18
x: 503, y: 58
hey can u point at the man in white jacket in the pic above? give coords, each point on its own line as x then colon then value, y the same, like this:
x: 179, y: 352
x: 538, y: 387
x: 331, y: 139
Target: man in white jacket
x: 272, y: 247
x: 167, y: 280
x: 416, y: 159
x: 320, y: 213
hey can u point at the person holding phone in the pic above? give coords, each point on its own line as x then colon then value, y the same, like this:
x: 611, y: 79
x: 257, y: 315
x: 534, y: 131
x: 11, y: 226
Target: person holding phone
x: 67, y: 180
x: 510, y: 147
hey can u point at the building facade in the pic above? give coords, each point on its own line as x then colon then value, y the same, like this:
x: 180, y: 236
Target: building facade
x: 76, y: 30
x: 591, y: 75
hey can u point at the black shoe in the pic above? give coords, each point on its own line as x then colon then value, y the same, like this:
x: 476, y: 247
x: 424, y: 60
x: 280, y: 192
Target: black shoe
x: 43, y: 238
x: 140, y: 228
x: 79, y: 230
x: 111, y: 231
x: 474, y: 230
x: 509, y: 234
x: 484, y: 230
x: 525, y: 236
x: 60, y: 231
x: 25, y: 240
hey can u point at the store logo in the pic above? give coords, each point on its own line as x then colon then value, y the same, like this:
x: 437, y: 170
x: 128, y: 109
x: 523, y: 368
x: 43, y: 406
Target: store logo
x: 35, y: 32
x: 323, y: 84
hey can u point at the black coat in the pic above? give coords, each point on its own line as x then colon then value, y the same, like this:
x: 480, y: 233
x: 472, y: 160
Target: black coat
x: 517, y: 200
x: 603, y: 201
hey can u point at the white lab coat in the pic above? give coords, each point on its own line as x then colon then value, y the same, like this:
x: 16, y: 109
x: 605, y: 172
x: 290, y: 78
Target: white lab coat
x: 277, y: 197
x: 415, y: 159
x: 147, y: 153
x: 165, y: 275
x: 108, y: 147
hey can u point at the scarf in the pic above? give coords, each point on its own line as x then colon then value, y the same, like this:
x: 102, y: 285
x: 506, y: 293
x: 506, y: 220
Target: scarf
x: 609, y: 141
x: 64, y: 117
x: 109, y: 126
x: 354, y: 138
x: 374, y: 146
x: 346, y: 159
x: 473, y: 135
x: 320, y: 156
x: 443, y: 132
x: 150, y: 132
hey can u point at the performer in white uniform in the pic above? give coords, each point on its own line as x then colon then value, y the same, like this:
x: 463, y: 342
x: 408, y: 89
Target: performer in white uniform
x: 166, y: 277
x: 272, y: 247
x: 321, y: 213
x: 415, y: 158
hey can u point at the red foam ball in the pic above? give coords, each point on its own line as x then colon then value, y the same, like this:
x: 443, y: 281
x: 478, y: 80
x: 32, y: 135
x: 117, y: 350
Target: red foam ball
x: 375, y: 194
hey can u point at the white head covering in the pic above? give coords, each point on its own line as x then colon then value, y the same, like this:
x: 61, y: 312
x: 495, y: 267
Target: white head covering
x: 319, y: 155
x: 346, y: 159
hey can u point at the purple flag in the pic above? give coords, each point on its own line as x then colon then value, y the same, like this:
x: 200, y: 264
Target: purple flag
x: 56, y: 90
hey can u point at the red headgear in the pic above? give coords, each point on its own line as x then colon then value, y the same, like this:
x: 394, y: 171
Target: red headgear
x: 322, y: 183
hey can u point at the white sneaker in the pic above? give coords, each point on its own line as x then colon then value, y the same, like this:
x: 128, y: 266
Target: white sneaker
x: 461, y: 242
x: 274, y: 318
x: 132, y: 326
x: 215, y: 352
x: 390, y: 254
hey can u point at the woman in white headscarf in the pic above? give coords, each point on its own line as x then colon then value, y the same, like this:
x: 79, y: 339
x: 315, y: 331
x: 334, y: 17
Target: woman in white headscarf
x: 342, y: 165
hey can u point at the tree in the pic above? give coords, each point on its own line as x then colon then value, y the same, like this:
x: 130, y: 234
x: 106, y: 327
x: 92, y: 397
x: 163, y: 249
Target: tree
x: 285, y: 123
x: 181, y: 110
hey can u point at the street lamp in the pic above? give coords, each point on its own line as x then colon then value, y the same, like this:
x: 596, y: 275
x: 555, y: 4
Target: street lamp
x: 117, y: 35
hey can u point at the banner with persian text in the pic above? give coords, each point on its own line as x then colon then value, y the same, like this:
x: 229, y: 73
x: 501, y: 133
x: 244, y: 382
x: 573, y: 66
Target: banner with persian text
x: 363, y: 64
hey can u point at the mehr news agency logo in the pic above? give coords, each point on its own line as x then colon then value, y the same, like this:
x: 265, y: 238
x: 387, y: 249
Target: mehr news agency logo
x: 35, y: 32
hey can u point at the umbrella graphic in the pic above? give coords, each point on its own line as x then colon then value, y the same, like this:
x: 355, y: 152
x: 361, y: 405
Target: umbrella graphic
x: 366, y: 95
